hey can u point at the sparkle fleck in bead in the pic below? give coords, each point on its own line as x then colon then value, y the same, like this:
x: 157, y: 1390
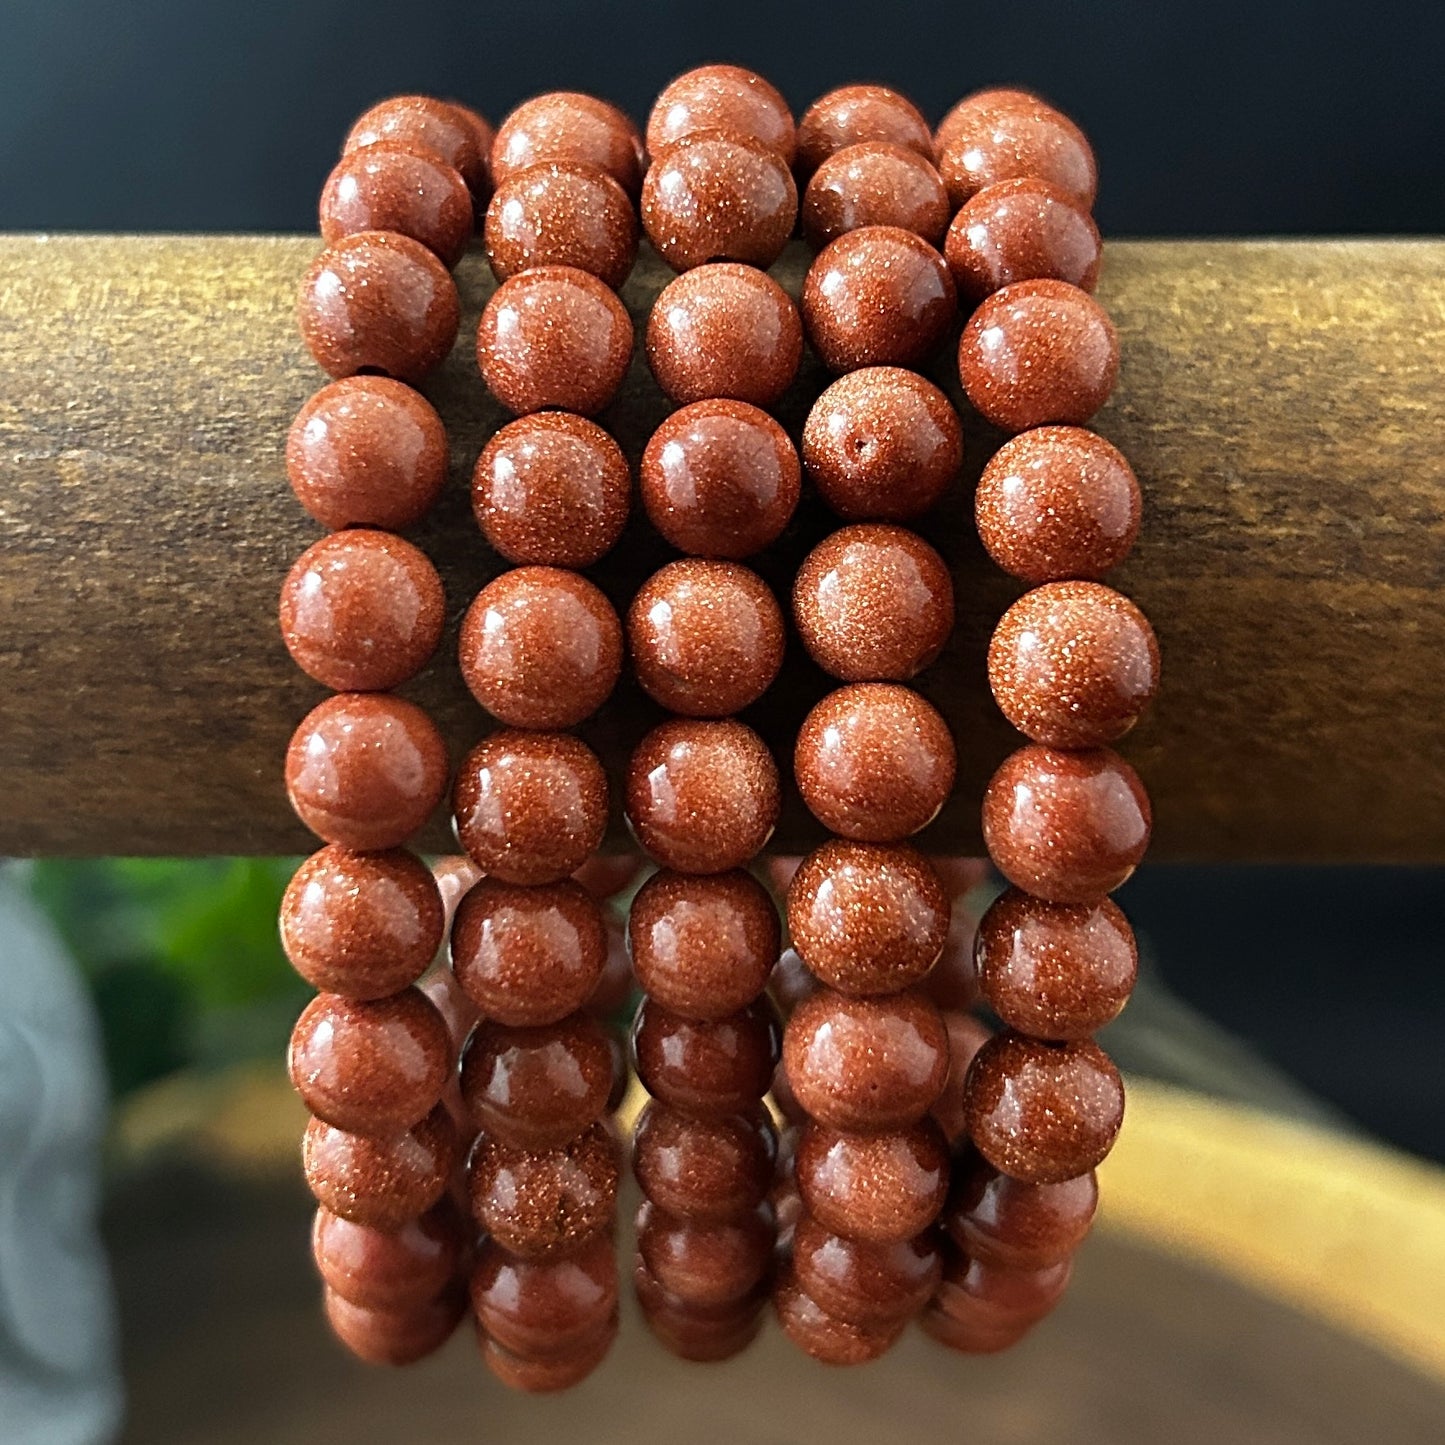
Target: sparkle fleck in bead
x: 1010, y: 138
x: 854, y: 114
x: 567, y: 127
x: 876, y: 183
x: 726, y: 98
x: 710, y: 1069
x: 386, y: 187
x: 433, y: 127
x: 977, y: 101
x: 1020, y: 1226
x: 865, y: 1284
x: 704, y: 1169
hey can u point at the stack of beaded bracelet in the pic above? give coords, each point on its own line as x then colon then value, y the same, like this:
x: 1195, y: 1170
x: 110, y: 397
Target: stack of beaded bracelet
x: 541, y: 649
x: 719, y: 480
x: 362, y: 611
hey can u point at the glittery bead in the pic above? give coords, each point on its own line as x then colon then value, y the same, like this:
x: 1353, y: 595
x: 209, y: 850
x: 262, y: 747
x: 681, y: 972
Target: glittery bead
x: 878, y: 296
x: 544, y: 1204
x: 867, y: 918
x: 433, y: 127
x: 479, y: 176
x: 545, y: 1309
x: 702, y: 797
x: 988, y: 143
x: 876, y: 183
x: 707, y: 1170
x: 874, y: 762
x: 866, y: 1063
x: 1066, y: 826
x: 363, y: 925
x: 553, y: 490
x: 386, y: 187
x: 567, y: 127
x: 724, y: 330
x: 530, y: 807
x: 854, y: 114
x: 703, y: 946
x: 882, y: 443
x: 362, y: 610
x: 1057, y: 503
x: 879, y: 1188
x: 726, y: 98
x: 365, y: 770
x: 707, y: 1069
x: 978, y: 101
x: 554, y: 337
x: 1037, y: 352
x: 828, y: 1339
x: 707, y: 1264
x: 718, y: 196
x: 1004, y: 1221
x: 1043, y: 1112
x: 536, y: 1088
x: 873, y: 603
x: 395, y: 1336
x: 561, y: 215
x: 540, y: 647
x: 547, y: 1374
x: 382, y: 1269
x: 865, y: 1284
x: 378, y: 301
x: 367, y: 451
x: 1023, y: 230
x: 720, y: 478
x: 371, y: 1067
x: 528, y: 956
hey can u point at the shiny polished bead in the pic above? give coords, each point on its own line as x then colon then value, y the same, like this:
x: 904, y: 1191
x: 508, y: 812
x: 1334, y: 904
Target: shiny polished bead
x: 1055, y: 970
x: 970, y: 1338
x: 378, y: 301
x: 978, y: 101
x: 554, y: 337
x: 718, y: 196
x: 433, y: 127
x: 483, y: 133
x: 1023, y: 230
x: 1057, y: 503
x: 706, y: 1170
x: 702, y: 797
x: 953, y: 982
x: 381, y: 1180
x: 607, y: 874
x: 547, y: 1374
x: 867, y: 918
x: 878, y: 296
x: 879, y: 1188
x: 825, y: 1337
x: 697, y: 1332
x: 362, y: 611
x: 791, y: 982
x: 536, y: 1088
x: 567, y: 127
x: 720, y: 478
x: 365, y: 770
x: 614, y: 990
x: 704, y: 946
x: 706, y: 1264
x: 1073, y: 664
x: 545, y: 1203
x: 707, y: 1069
x: 545, y: 1309
x: 398, y: 1269
x: 552, y: 490
x: 1067, y: 827
x: 724, y: 330
x: 706, y: 637
x: 363, y: 925
x: 1004, y: 1221
x: 882, y: 443
x: 873, y: 603
x: 854, y: 114
x: 387, y: 187
x: 540, y: 647
x: 367, y: 451
x: 530, y: 808
x: 726, y: 98
x: 876, y: 183
x: 1043, y: 1112
x: 1003, y: 141
x: 989, y: 1295
x: 528, y: 956
x: 865, y: 1284
x: 561, y: 215
x: 395, y: 1336
x: 866, y: 1064
x: 966, y: 1036
x: 371, y: 1067
x: 874, y: 762
x: 1038, y: 352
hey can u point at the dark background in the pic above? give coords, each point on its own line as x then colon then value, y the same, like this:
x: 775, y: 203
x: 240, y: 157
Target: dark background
x: 1230, y: 118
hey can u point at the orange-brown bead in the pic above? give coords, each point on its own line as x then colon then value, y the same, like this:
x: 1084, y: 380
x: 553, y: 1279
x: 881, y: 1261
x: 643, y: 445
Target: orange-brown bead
x: 874, y: 762
x: 388, y: 187
x: 545, y: 1309
x: 706, y: 1264
x: 724, y: 330
x: 726, y: 98
x: 989, y: 142
x: 875, y: 183
x: 569, y: 128
x: 707, y: 1170
x: 706, y: 1069
x: 547, y: 1374
x: 700, y: 1333
x: 479, y: 176
x: 865, y: 1284
x: 990, y: 1296
x: 383, y: 1269
x: 854, y: 114
x: 554, y: 337
x: 824, y: 1336
x: 540, y: 647
x: 978, y: 101
x: 394, y: 1336
x: 1066, y: 826
x: 434, y: 127
x: 1003, y: 1221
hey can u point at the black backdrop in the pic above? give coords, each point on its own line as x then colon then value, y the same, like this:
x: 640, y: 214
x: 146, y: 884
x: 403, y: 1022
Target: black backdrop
x: 1227, y: 118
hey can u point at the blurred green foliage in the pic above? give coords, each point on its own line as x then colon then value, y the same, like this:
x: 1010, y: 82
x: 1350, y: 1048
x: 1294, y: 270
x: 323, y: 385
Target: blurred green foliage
x: 181, y: 955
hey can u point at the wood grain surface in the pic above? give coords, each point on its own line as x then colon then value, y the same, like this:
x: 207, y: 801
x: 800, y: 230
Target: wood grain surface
x: 1283, y: 403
